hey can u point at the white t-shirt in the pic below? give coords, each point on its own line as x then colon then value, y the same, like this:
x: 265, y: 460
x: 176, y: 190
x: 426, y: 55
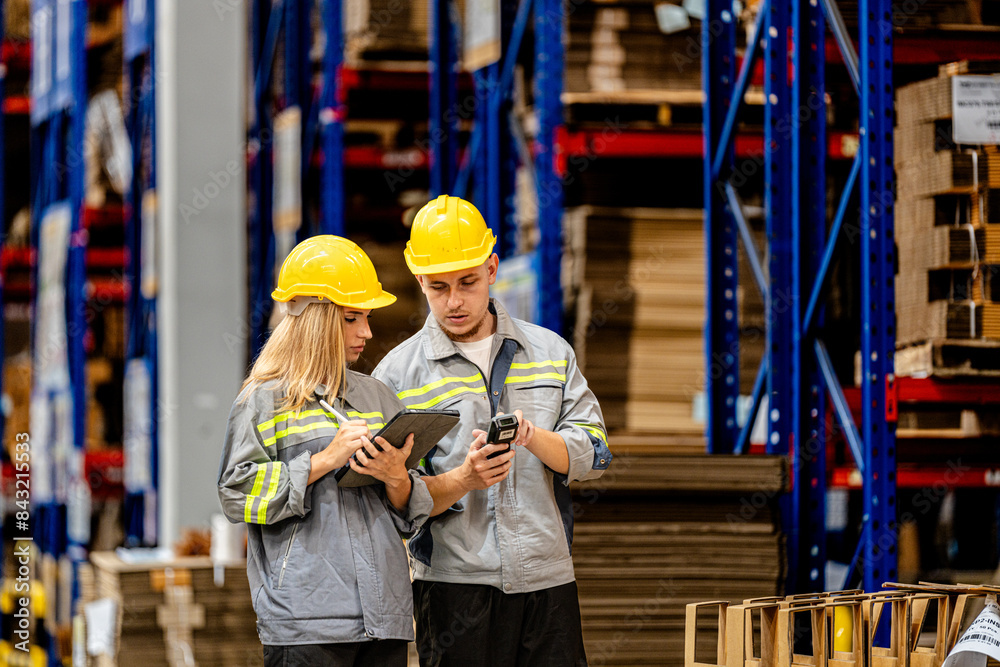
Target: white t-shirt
x: 478, y: 352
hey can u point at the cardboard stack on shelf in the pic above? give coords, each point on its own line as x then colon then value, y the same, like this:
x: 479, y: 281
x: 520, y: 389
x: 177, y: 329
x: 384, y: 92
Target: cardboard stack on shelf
x: 164, y: 611
x: 948, y: 235
x: 385, y: 30
x: 636, y: 277
x: 619, y: 46
x: 639, y: 312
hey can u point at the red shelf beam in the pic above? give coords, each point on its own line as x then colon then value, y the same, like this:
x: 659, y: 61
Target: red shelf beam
x: 352, y: 78
x: 933, y: 48
x: 917, y: 477
x: 95, y: 258
x: 675, y: 143
x: 933, y: 390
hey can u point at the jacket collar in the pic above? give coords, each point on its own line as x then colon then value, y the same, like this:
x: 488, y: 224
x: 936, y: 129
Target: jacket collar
x: 438, y: 346
x: 352, y: 386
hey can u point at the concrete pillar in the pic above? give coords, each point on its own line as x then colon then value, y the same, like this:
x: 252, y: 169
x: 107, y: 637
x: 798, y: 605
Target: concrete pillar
x: 201, y: 220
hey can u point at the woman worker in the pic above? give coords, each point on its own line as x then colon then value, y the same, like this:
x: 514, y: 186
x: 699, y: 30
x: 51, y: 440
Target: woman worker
x: 327, y: 568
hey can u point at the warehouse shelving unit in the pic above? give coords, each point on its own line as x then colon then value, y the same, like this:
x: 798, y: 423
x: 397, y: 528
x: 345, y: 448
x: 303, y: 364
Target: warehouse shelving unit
x: 490, y: 159
x: 796, y: 371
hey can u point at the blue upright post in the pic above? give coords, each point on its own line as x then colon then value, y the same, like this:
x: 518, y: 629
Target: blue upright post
x: 548, y: 104
x: 809, y: 219
x: 265, y: 24
x: 722, y: 385
x: 332, y: 121
x: 140, y: 344
x: 782, y: 300
x: 443, y: 99
x: 878, y: 293
x: 298, y: 91
x: 3, y: 236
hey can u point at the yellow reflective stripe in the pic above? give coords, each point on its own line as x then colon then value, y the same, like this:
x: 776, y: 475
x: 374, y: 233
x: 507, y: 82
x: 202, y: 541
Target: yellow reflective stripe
x: 298, y: 429
x: 438, y: 383
x: 448, y: 394
x: 539, y: 364
x: 285, y: 416
x: 364, y: 415
x: 596, y: 432
x: 272, y: 490
x: 373, y: 426
x: 516, y: 379
x: 258, y: 482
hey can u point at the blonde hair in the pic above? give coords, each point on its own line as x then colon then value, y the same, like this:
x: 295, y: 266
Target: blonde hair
x: 302, y: 352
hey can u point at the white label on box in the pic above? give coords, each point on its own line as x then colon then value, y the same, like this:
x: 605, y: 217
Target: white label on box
x: 975, y: 108
x: 980, y: 641
x: 138, y: 435
x: 147, y: 251
x: 287, y: 173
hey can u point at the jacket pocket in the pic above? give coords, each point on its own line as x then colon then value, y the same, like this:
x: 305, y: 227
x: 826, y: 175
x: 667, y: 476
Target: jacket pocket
x: 288, y: 551
x: 541, y: 403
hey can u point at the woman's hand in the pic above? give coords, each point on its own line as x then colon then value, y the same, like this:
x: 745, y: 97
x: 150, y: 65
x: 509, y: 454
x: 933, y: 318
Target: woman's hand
x: 387, y: 466
x: 349, y: 439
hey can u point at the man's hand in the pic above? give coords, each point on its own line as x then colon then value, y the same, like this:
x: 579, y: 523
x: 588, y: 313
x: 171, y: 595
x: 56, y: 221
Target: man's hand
x: 549, y: 447
x: 476, y: 472
x: 480, y: 472
x: 525, y: 430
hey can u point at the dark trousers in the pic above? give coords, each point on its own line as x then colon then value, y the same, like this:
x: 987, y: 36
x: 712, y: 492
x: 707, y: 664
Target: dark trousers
x: 379, y: 653
x: 466, y: 625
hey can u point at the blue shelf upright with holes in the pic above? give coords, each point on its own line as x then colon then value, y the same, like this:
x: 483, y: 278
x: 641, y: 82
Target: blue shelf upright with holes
x: 796, y: 373
x: 140, y: 399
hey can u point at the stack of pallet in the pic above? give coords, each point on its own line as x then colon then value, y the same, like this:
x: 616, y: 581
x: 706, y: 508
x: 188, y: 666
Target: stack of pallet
x: 948, y: 236
x: 166, y: 611
x: 920, y: 624
x: 619, y: 46
x: 639, y: 561
x: 639, y: 312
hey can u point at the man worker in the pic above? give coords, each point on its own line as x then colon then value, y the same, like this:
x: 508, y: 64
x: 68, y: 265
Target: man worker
x: 493, y: 576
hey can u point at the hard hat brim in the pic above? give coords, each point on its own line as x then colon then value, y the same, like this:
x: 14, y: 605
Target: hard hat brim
x: 381, y: 301
x: 445, y: 267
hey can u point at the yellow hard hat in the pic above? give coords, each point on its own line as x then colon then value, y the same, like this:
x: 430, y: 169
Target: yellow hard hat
x: 448, y: 234
x: 330, y: 268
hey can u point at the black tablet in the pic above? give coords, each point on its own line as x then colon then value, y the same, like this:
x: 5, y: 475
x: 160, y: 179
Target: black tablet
x: 427, y: 427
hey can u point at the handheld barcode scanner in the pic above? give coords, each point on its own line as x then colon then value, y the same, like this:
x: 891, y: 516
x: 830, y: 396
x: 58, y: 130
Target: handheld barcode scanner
x: 503, y: 430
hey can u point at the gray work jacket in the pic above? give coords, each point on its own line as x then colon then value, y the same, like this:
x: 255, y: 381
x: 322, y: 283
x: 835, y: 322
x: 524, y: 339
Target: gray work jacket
x: 516, y: 535
x: 326, y: 564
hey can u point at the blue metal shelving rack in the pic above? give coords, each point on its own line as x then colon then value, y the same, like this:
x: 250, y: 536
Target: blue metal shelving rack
x: 489, y: 161
x: 322, y: 113
x: 58, y: 109
x: 141, y: 345
x: 796, y: 371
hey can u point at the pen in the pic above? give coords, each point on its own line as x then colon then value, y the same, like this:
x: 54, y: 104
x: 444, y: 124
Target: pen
x: 326, y: 406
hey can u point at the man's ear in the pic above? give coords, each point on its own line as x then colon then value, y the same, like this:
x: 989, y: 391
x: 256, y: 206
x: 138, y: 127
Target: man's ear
x: 492, y: 267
